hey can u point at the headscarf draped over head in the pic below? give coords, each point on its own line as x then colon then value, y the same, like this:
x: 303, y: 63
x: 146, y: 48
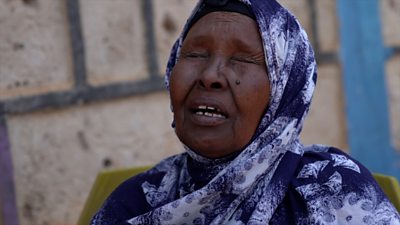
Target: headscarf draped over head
x: 249, y: 188
x: 292, y: 74
x: 289, y: 58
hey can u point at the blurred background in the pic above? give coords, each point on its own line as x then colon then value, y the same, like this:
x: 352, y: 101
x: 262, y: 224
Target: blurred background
x: 81, y: 90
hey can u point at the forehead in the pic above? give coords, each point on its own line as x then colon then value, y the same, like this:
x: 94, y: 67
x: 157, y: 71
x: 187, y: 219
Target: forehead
x: 224, y: 25
x: 225, y: 19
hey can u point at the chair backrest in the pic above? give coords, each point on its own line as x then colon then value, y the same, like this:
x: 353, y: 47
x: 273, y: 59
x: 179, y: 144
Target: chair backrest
x: 391, y: 188
x: 105, y: 183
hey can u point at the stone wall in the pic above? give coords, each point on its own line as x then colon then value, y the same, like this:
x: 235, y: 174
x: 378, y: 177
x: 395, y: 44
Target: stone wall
x: 35, y: 55
x: 390, y: 11
x: 75, y: 129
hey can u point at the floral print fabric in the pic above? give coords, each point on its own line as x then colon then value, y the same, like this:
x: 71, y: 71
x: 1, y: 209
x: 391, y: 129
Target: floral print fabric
x: 275, y: 179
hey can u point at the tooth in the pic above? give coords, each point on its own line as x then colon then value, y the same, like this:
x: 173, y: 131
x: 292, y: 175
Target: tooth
x: 208, y: 114
x: 219, y: 115
x: 199, y: 113
x: 210, y: 108
x: 202, y: 107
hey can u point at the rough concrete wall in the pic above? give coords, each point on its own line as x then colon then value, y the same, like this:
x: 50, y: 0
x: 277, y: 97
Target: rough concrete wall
x: 35, y: 53
x: 390, y: 11
x: 57, y: 153
x: 170, y: 16
x: 327, y: 24
x: 326, y: 122
x: 114, y: 38
x: 326, y: 119
x: 393, y: 83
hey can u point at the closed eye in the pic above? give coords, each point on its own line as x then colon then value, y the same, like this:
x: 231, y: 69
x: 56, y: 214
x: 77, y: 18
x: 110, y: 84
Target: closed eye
x: 194, y: 55
x: 245, y: 60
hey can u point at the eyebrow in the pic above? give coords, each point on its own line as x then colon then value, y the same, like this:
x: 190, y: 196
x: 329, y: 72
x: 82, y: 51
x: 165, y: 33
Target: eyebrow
x: 200, y: 39
x: 245, y: 46
x: 196, y: 40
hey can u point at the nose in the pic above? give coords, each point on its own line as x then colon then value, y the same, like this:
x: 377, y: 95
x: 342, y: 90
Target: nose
x: 213, y: 75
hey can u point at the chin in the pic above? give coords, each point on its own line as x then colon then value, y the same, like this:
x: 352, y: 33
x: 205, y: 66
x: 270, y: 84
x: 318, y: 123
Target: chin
x: 210, y: 155
x: 212, y: 152
x: 209, y: 146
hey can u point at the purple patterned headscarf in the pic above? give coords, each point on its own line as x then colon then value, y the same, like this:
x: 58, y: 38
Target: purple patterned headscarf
x: 292, y: 75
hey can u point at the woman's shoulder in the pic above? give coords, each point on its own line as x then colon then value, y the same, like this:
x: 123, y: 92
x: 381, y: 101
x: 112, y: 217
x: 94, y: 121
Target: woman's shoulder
x: 337, y: 187
x: 332, y: 169
x: 152, y: 176
x: 128, y: 199
x: 319, y: 159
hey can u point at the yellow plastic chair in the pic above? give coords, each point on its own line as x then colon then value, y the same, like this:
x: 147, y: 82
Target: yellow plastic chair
x: 391, y: 188
x: 105, y: 183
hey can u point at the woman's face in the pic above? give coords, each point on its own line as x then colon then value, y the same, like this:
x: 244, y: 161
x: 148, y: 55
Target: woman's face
x: 219, y: 86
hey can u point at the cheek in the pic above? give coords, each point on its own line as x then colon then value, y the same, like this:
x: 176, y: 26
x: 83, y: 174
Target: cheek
x: 254, y: 98
x: 261, y: 88
x: 180, y: 83
x: 255, y: 85
x: 261, y: 96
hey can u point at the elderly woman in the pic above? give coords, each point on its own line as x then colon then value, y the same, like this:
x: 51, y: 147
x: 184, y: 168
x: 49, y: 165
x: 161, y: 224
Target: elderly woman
x: 241, y: 78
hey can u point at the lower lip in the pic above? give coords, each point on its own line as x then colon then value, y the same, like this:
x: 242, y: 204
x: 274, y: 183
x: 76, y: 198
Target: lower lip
x: 203, y: 120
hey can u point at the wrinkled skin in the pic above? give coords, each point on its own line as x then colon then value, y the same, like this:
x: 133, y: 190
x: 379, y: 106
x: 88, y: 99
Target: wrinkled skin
x: 219, y: 50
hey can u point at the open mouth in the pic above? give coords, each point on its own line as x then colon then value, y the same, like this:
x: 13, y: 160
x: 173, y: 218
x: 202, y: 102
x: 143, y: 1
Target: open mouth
x: 209, y: 111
